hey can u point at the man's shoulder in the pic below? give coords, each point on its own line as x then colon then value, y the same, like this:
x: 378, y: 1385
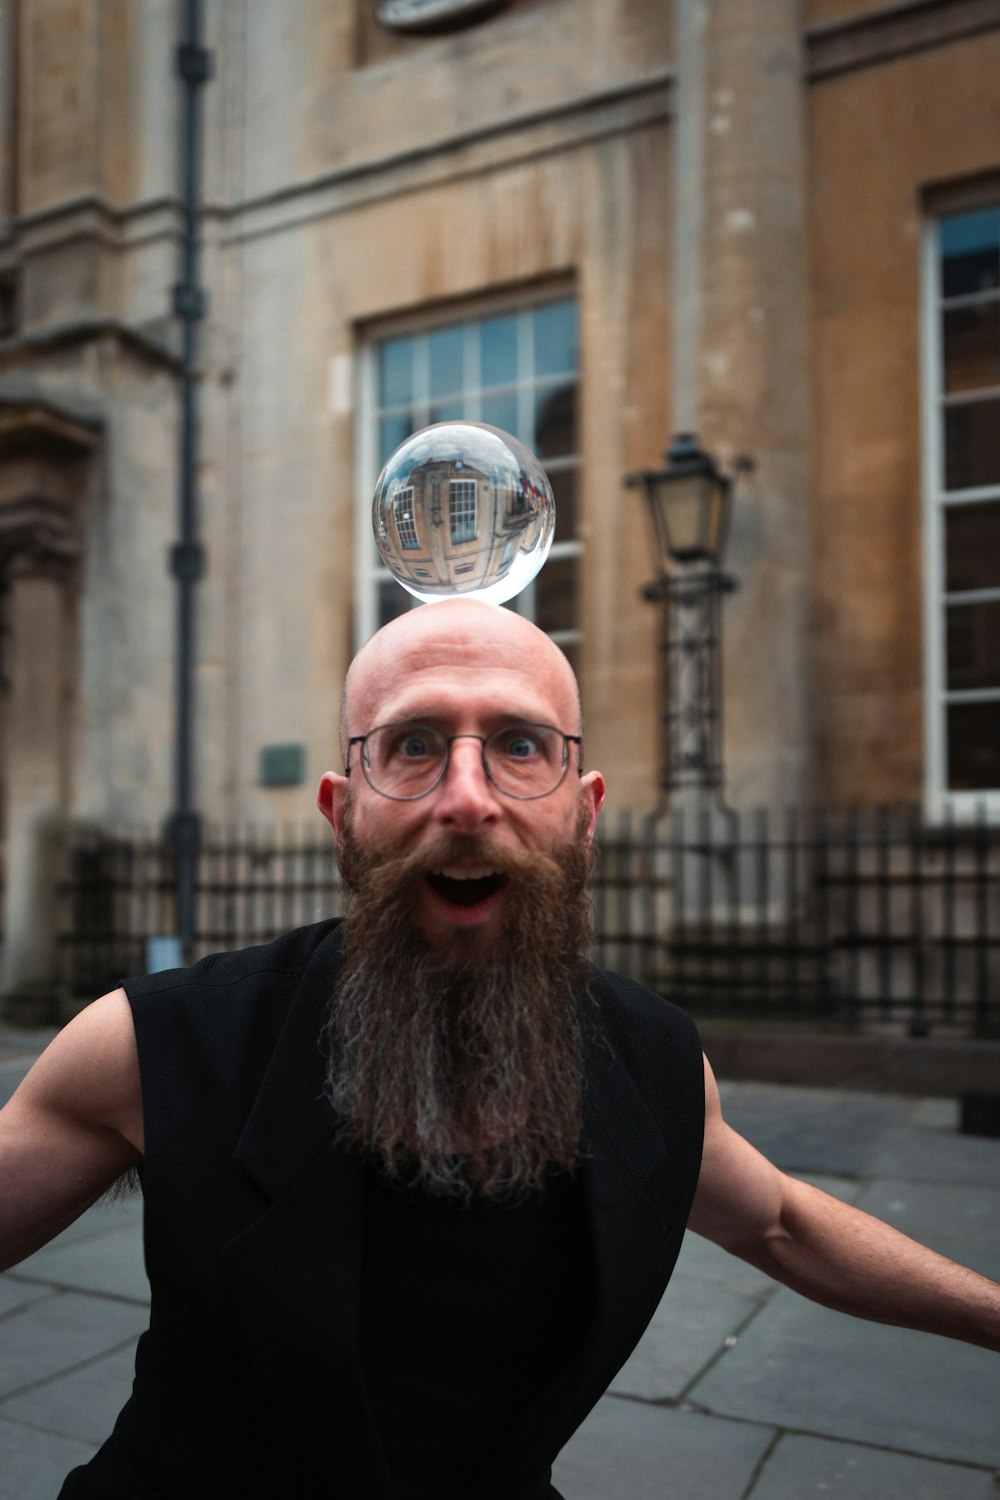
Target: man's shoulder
x: 631, y: 1002
x: 285, y: 956
x: 221, y: 1020
x: 646, y: 1031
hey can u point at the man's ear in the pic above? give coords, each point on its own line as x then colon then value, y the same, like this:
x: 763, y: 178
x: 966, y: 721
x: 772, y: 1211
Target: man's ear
x: 592, y: 786
x: 330, y: 800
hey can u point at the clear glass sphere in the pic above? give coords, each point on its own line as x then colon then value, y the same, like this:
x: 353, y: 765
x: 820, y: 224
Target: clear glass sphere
x: 463, y: 509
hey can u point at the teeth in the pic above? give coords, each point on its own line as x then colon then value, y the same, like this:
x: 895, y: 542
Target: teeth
x: 467, y: 874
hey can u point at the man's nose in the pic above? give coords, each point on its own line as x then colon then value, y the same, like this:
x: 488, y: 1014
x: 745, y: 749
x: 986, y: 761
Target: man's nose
x: 466, y: 798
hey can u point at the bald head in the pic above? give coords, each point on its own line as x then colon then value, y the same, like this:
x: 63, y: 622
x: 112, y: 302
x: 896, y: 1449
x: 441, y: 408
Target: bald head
x: 456, y: 642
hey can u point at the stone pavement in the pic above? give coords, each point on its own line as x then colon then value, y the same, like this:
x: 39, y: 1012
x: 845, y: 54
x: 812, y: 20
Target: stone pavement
x: 740, y: 1390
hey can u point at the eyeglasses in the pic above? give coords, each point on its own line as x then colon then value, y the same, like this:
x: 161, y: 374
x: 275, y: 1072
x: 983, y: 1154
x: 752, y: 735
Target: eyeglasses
x: 406, y: 761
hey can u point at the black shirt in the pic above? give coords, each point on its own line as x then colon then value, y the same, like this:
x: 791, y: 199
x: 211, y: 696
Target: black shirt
x: 466, y: 1310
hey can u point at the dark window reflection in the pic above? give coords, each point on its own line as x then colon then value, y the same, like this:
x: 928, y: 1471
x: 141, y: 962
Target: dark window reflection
x: 555, y: 421
x: 970, y: 253
x: 555, y: 595
x: 446, y: 411
x: 563, y: 482
x: 972, y: 546
x: 393, y: 600
x: 971, y: 347
x: 572, y: 653
x: 973, y: 645
x: 973, y: 746
x: 972, y: 444
x: 392, y: 431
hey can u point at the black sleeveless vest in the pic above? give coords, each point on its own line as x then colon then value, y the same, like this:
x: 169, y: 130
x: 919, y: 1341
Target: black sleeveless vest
x: 249, y: 1379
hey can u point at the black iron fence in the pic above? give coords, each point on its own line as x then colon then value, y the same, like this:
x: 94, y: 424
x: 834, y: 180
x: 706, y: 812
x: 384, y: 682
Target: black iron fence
x: 837, y: 920
x: 118, y: 900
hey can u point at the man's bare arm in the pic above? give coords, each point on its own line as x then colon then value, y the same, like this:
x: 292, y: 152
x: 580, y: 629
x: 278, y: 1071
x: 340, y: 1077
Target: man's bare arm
x: 71, y: 1129
x: 829, y: 1251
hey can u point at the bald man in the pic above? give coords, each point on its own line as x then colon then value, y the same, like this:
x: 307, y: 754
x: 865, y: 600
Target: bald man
x: 415, y: 1182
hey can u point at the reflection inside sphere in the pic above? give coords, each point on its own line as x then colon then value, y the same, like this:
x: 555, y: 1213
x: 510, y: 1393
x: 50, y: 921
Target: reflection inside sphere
x: 463, y: 508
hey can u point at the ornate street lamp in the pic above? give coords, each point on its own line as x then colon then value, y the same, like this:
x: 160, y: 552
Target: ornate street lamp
x: 689, y: 503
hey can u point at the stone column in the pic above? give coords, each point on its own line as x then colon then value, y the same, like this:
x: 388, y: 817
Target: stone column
x: 38, y: 551
x: 740, y: 364
x: 46, y: 467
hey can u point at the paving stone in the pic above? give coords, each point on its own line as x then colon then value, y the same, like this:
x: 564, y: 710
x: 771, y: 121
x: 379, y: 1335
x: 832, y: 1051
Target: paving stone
x: 813, y: 1130
x: 61, y: 1332
x: 15, y: 1294
x: 83, y: 1404
x: 689, y: 1329
x: 33, y: 1465
x: 801, y: 1366
x: 108, y: 1262
x: 627, y: 1450
x: 928, y: 1210
x: 804, y: 1466
x: 935, y: 1156
x: 710, y: 1297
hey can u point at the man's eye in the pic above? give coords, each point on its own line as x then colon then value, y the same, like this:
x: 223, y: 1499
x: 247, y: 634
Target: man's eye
x: 414, y: 745
x: 520, y: 744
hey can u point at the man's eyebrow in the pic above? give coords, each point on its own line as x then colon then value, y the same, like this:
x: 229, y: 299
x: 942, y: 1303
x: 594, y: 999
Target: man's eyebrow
x: 434, y: 718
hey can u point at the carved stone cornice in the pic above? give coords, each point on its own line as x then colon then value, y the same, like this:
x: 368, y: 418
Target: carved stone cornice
x: 45, y: 429
x: 37, y: 539
x: 42, y: 448
x: 889, y: 32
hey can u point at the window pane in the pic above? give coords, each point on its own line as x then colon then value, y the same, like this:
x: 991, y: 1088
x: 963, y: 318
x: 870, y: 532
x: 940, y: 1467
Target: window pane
x: 498, y: 350
x: 500, y: 410
x: 571, y: 651
x: 563, y: 483
x: 391, y: 432
x: 555, y: 595
x: 972, y: 546
x: 972, y: 347
x: 462, y: 509
x: 447, y: 411
x: 973, y: 645
x: 555, y: 421
x: 395, y: 372
x: 393, y: 600
x: 555, y: 338
x: 970, y: 253
x: 446, y: 349
x: 972, y: 444
x: 973, y: 746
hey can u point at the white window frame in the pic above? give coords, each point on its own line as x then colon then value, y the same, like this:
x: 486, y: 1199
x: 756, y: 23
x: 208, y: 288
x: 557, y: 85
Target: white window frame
x: 368, y: 571
x: 463, y: 509
x: 940, y: 801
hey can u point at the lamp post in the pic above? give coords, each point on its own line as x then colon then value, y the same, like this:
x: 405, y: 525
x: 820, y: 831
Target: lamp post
x: 689, y: 501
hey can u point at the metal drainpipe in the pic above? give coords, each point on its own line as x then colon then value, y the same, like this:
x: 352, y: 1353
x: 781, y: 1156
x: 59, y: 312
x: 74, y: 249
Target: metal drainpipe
x: 187, y: 555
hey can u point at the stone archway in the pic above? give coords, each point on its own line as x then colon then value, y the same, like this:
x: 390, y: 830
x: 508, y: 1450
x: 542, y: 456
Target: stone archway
x: 46, y: 464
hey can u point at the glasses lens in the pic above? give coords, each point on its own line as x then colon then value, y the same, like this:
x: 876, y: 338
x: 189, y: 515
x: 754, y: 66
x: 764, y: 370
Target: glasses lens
x: 404, y: 760
x: 526, y: 760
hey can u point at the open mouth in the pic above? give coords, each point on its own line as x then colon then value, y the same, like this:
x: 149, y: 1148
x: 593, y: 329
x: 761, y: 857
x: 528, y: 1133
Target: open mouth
x: 465, y: 887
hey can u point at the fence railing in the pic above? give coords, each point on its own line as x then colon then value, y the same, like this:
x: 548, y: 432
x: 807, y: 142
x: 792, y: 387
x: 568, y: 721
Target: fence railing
x: 836, y: 920
x: 119, y: 896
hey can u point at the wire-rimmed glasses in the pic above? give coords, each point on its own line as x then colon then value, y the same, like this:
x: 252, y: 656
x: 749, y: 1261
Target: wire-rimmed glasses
x: 407, y: 760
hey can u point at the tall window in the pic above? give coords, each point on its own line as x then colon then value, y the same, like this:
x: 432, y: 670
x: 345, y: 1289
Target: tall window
x: 516, y: 368
x: 963, y: 487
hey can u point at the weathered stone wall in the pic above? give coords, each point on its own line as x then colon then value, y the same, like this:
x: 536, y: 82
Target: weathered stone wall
x: 880, y: 138
x: 750, y: 268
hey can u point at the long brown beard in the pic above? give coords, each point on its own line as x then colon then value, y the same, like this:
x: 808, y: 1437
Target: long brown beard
x: 461, y: 1067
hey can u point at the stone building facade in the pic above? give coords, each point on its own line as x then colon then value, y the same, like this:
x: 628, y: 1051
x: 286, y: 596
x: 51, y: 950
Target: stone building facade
x: 594, y: 223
